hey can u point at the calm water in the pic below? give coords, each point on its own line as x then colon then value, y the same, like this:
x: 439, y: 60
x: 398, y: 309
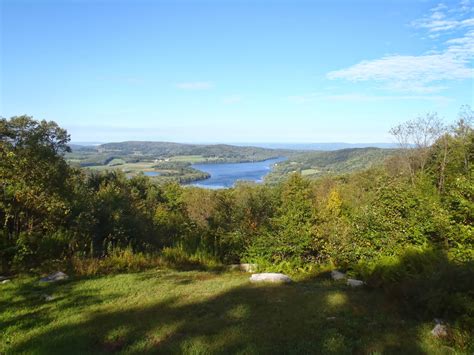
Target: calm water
x: 227, y: 174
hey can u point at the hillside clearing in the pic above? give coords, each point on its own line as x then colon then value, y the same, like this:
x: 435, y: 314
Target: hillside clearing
x: 202, y: 312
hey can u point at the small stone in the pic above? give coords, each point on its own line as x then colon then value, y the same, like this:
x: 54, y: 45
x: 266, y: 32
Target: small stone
x: 270, y: 277
x: 354, y: 283
x: 57, y: 276
x: 440, y: 331
x: 47, y: 298
x: 6, y: 281
x: 331, y: 318
x: 337, y: 275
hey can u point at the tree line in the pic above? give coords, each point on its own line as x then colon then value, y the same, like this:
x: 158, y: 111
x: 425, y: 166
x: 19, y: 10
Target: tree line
x: 421, y: 197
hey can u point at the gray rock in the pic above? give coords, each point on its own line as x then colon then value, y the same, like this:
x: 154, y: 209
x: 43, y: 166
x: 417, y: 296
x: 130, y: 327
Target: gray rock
x: 243, y: 267
x: 57, y: 276
x: 6, y: 281
x: 47, y: 298
x: 3, y: 278
x: 337, y: 275
x: 439, y: 331
x: 270, y: 277
x: 355, y: 283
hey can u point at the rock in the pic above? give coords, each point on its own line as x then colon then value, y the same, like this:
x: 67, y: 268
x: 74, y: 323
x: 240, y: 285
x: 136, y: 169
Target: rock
x: 3, y: 278
x: 337, y: 275
x: 331, y: 318
x: 47, y: 298
x: 57, y: 276
x: 354, y: 283
x: 440, y: 331
x: 270, y: 277
x: 6, y: 281
x: 244, y: 267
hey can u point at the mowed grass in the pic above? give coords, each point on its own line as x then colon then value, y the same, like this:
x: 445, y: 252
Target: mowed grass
x: 311, y: 171
x: 196, y: 312
x: 133, y: 167
x: 189, y: 158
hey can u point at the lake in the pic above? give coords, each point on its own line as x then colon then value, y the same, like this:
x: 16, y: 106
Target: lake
x: 227, y: 174
x: 151, y: 173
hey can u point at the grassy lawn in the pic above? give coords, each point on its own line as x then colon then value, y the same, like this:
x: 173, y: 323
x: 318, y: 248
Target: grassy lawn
x: 311, y: 171
x: 189, y: 158
x: 163, y: 311
x: 132, y: 167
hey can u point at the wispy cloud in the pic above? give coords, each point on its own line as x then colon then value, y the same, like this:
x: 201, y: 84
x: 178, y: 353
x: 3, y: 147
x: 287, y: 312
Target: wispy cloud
x: 421, y: 74
x: 357, y: 97
x: 441, y: 18
x: 195, y: 85
x: 233, y: 99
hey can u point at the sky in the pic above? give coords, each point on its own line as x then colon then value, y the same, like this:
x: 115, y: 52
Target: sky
x: 235, y: 71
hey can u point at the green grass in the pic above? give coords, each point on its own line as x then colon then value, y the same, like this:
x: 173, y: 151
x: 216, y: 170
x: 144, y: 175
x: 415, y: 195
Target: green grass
x: 311, y: 171
x: 116, y: 161
x: 189, y: 158
x: 163, y: 311
x: 133, y: 167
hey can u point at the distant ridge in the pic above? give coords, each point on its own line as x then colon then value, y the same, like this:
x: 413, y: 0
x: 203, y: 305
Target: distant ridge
x: 286, y: 146
x: 319, y: 146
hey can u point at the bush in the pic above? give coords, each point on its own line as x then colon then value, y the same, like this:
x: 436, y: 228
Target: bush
x: 427, y: 283
x: 117, y: 260
x: 178, y: 258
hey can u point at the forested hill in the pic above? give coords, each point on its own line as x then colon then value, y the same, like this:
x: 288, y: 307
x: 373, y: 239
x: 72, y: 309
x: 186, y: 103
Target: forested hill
x: 168, y: 149
x: 318, y: 163
x: 171, y: 158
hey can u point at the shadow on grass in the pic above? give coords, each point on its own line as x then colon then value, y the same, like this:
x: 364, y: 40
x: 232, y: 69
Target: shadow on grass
x: 299, y: 318
x: 314, y: 315
x: 427, y: 284
x: 31, y: 297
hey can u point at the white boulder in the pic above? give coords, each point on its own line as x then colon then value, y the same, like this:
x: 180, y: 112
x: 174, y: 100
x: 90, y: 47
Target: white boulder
x: 57, y: 276
x: 337, y: 275
x: 270, y: 277
x: 355, y: 283
x: 439, y: 331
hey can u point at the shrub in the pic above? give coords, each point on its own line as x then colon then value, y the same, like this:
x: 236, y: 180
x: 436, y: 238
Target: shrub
x: 427, y: 283
x: 178, y: 258
x: 117, y: 260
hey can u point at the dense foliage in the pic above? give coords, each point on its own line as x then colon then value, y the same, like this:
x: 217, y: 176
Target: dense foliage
x: 314, y: 164
x: 417, y: 205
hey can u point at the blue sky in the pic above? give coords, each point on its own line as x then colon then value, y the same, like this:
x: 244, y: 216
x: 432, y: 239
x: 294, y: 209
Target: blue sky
x: 235, y: 71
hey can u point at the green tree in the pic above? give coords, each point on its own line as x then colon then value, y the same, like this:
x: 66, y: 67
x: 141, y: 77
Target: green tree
x: 36, y: 195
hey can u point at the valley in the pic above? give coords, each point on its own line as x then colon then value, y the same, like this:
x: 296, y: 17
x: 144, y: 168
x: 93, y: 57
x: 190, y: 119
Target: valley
x: 187, y: 163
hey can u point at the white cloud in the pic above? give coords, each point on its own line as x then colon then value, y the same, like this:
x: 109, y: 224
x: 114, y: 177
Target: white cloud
x: 233, y: 99
x: 438, y: 20
x: 439, y: 7
x: 195, y: 85
x: 357, y: 97
x: 411, y: 73
x: 421, y: 74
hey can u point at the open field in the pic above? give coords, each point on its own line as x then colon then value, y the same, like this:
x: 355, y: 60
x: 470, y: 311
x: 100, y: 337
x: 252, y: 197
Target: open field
x: 190, y: 158
x: 127, y: 167
x: 163, y: 311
